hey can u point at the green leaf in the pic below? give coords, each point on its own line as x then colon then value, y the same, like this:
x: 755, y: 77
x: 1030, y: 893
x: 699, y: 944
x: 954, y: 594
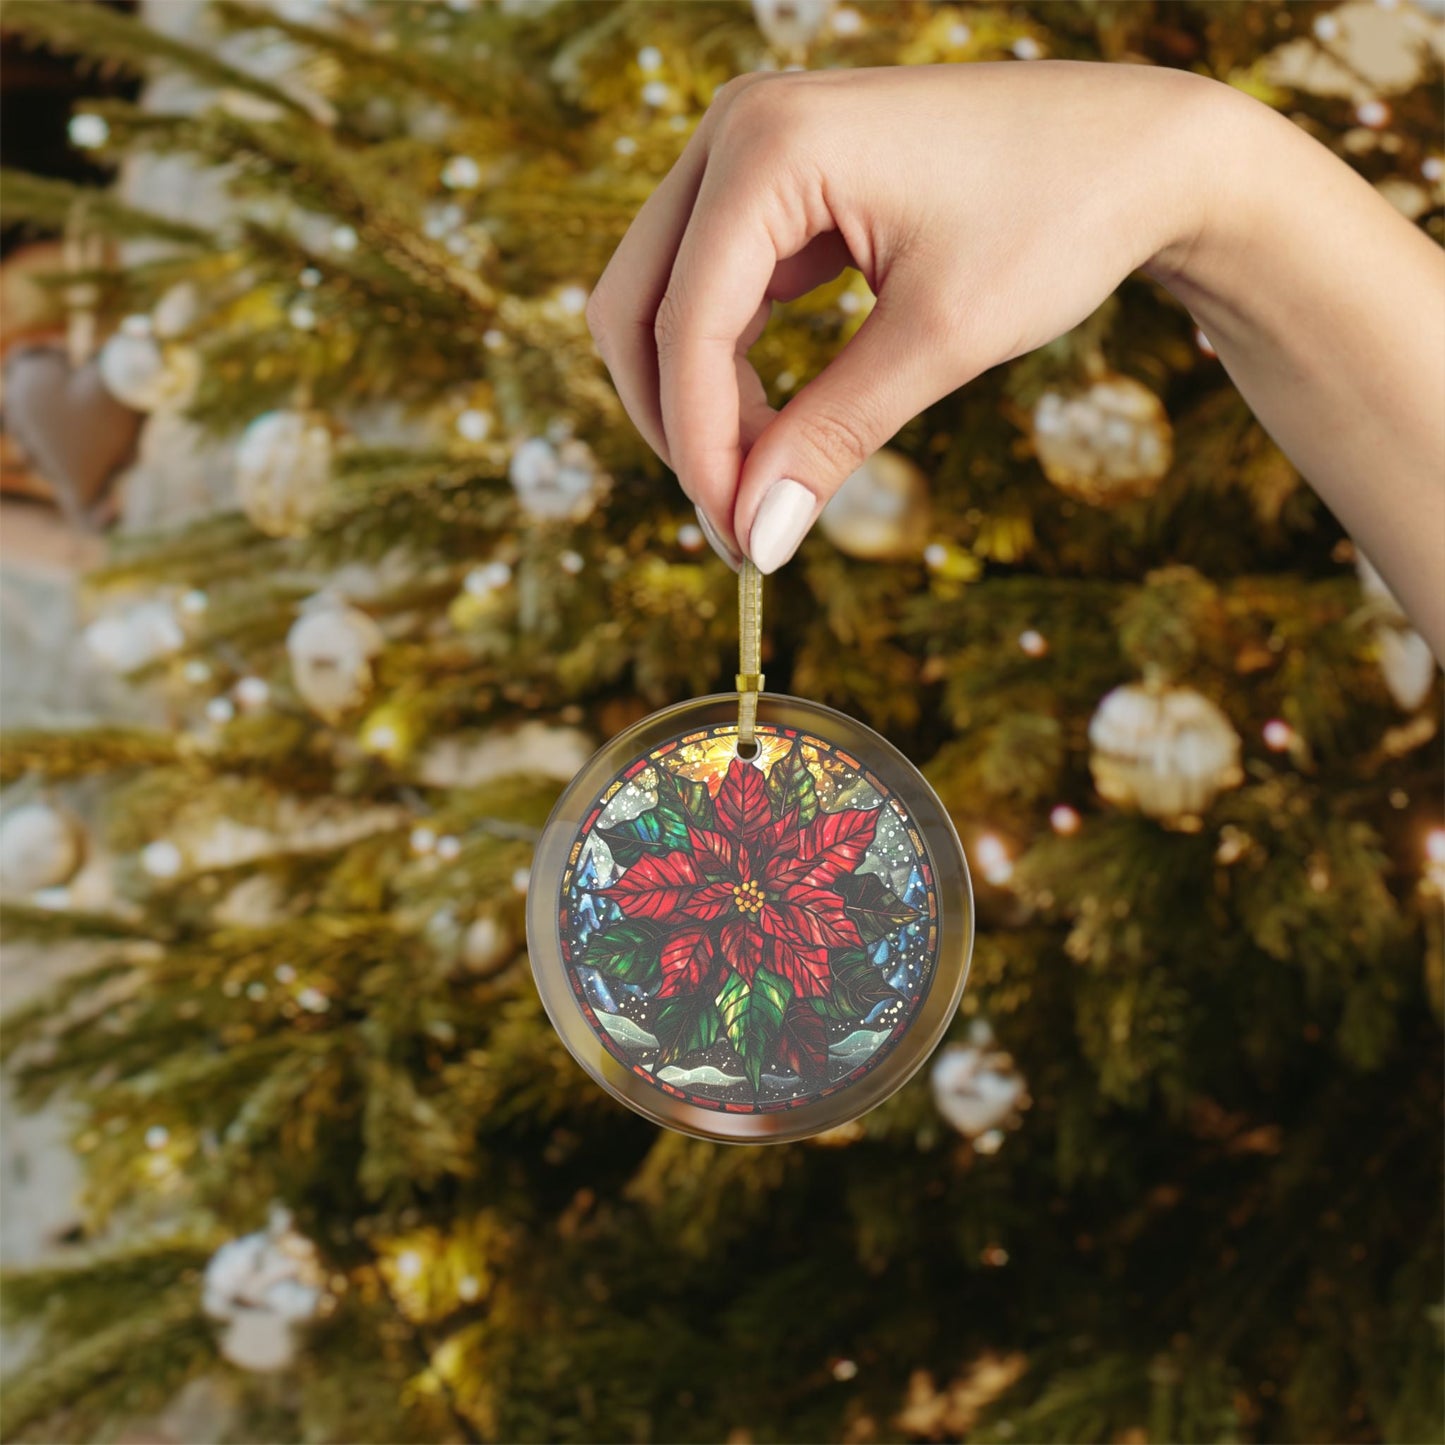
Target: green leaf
x: 803, y: 1043
x: 662, y: 829
x: 790, y: 785
x: 857, y: 987
x: 873, y: 906
x: 752, y: 1015
x: 685, y: 1026
x: 685, y: 796
x: 629, y: 951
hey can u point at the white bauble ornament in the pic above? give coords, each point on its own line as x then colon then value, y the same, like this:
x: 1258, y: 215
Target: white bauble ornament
x: 146, y: 375
x: 259, y: 1341
x: 792, y: 25
x: 177, y: 311
x: 1109, y: 443
x: 1405, y: 657
x: 40, y: 847
x: 1166, y: 751
x: 135, y: 636
x: 261, y: 1287
x: 487, y: 945
x: 331, y: 647
x: 1407, y: 663
x: 976, y: 1087
x: 555, y: 481
x: 881, y: 512
x: 283, y: 466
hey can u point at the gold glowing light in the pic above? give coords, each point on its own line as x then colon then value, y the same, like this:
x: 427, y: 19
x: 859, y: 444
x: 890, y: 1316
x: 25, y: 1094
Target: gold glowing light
x: 993, y: 859
x: 707, y: 761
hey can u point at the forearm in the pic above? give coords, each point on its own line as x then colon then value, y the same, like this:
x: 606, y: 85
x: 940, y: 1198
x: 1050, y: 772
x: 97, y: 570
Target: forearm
x: 1327, y: 308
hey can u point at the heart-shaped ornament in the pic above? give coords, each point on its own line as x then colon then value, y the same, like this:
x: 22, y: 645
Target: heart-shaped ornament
x: 74, y: 431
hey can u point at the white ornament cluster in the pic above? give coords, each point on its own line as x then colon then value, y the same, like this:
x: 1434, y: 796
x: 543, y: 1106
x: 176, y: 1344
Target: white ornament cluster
x: 881, y: 512
x: 1108, y: 443
x: 555, y: 477
x: 1165, y: 751
x: 135, y: 635
x: 792, y: 25
x: 331, y: 647
x: 1405, y: 657
x: 262, y: 1287
x: 978, y: 1089
x: 145, y: 372
x: 283, y: 467
x: 40, y: 847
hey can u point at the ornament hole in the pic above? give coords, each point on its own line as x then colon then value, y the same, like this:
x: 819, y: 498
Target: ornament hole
x: 748, y: 751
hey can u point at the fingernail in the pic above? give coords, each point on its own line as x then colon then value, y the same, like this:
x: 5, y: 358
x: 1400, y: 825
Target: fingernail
x: 781, y: 524
x: 716, y: 542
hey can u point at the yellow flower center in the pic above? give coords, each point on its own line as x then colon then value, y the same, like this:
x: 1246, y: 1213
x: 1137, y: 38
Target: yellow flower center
x: 747, y: 896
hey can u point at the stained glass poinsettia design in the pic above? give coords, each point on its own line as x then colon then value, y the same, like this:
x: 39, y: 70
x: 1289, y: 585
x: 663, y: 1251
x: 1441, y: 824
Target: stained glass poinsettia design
x: 744, y: 917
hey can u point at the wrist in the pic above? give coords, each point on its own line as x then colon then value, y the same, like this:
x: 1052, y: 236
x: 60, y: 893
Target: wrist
x: 1218, y: 155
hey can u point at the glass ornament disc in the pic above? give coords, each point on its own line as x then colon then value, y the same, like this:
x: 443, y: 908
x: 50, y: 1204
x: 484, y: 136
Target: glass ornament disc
x: 752, y: 949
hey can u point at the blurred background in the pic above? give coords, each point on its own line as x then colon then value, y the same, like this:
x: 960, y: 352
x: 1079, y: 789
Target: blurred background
x: 328, y: 556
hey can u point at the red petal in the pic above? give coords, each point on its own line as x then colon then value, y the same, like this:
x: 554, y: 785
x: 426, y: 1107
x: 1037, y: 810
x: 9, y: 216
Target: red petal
x: 742, y: 946
x: 782, y: 836
x: 688, y: 962
x: 812, y: 916
x: 654, y: 887
x: 803, y: 1043
x: 742, y: 801
x: 714, y: 853
x: 834, y: 844
x: 804, y: 967
x: 711, y: 901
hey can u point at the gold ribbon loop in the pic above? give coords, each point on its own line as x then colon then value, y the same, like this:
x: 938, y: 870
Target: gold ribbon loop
x: 750, y: 652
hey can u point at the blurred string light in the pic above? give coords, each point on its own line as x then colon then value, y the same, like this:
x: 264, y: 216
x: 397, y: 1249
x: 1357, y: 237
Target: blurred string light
x: 993, y: 859
x: 1435, y: 858
x: 252, y: 693
x: 1064, y: 820
x: 1278, y: 735
x: 461, y: 173
x: 1033, y: 643
x: 490, y: 577
x: 161, y: 859
x: 474, y: 425
x: 88, y: 131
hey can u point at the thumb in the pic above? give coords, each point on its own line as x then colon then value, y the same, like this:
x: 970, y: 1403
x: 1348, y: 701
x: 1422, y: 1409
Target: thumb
x: 900, y: 361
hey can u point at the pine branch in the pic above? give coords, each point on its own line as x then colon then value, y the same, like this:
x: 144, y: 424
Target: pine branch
x: 112, y: 38
x: 82, y: 753
x: 124, y: 1368
x: 54, y: 204
x: 511, y: 97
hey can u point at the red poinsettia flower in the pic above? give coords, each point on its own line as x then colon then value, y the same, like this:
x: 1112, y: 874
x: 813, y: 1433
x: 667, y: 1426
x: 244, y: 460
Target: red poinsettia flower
x: 756, y: 893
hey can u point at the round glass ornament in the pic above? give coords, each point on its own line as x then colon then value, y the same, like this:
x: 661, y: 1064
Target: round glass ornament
x: 750, y: 948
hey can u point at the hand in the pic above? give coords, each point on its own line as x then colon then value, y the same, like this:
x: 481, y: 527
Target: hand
x: 990, y: 207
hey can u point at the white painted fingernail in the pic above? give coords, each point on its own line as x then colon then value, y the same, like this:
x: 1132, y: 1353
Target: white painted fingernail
x: 781, y: 524
x: 716, y: 542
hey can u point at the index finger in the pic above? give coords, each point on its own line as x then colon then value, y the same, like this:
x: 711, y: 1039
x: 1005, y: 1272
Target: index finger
x: 719, y: 285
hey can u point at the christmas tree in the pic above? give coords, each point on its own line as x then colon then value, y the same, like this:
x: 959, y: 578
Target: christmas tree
x: 1176, y: 1176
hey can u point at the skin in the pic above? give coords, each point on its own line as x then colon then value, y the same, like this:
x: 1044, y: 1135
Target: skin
x: 992, y: 207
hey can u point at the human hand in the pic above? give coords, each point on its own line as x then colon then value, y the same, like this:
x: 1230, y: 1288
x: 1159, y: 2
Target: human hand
x: 990, y: 207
